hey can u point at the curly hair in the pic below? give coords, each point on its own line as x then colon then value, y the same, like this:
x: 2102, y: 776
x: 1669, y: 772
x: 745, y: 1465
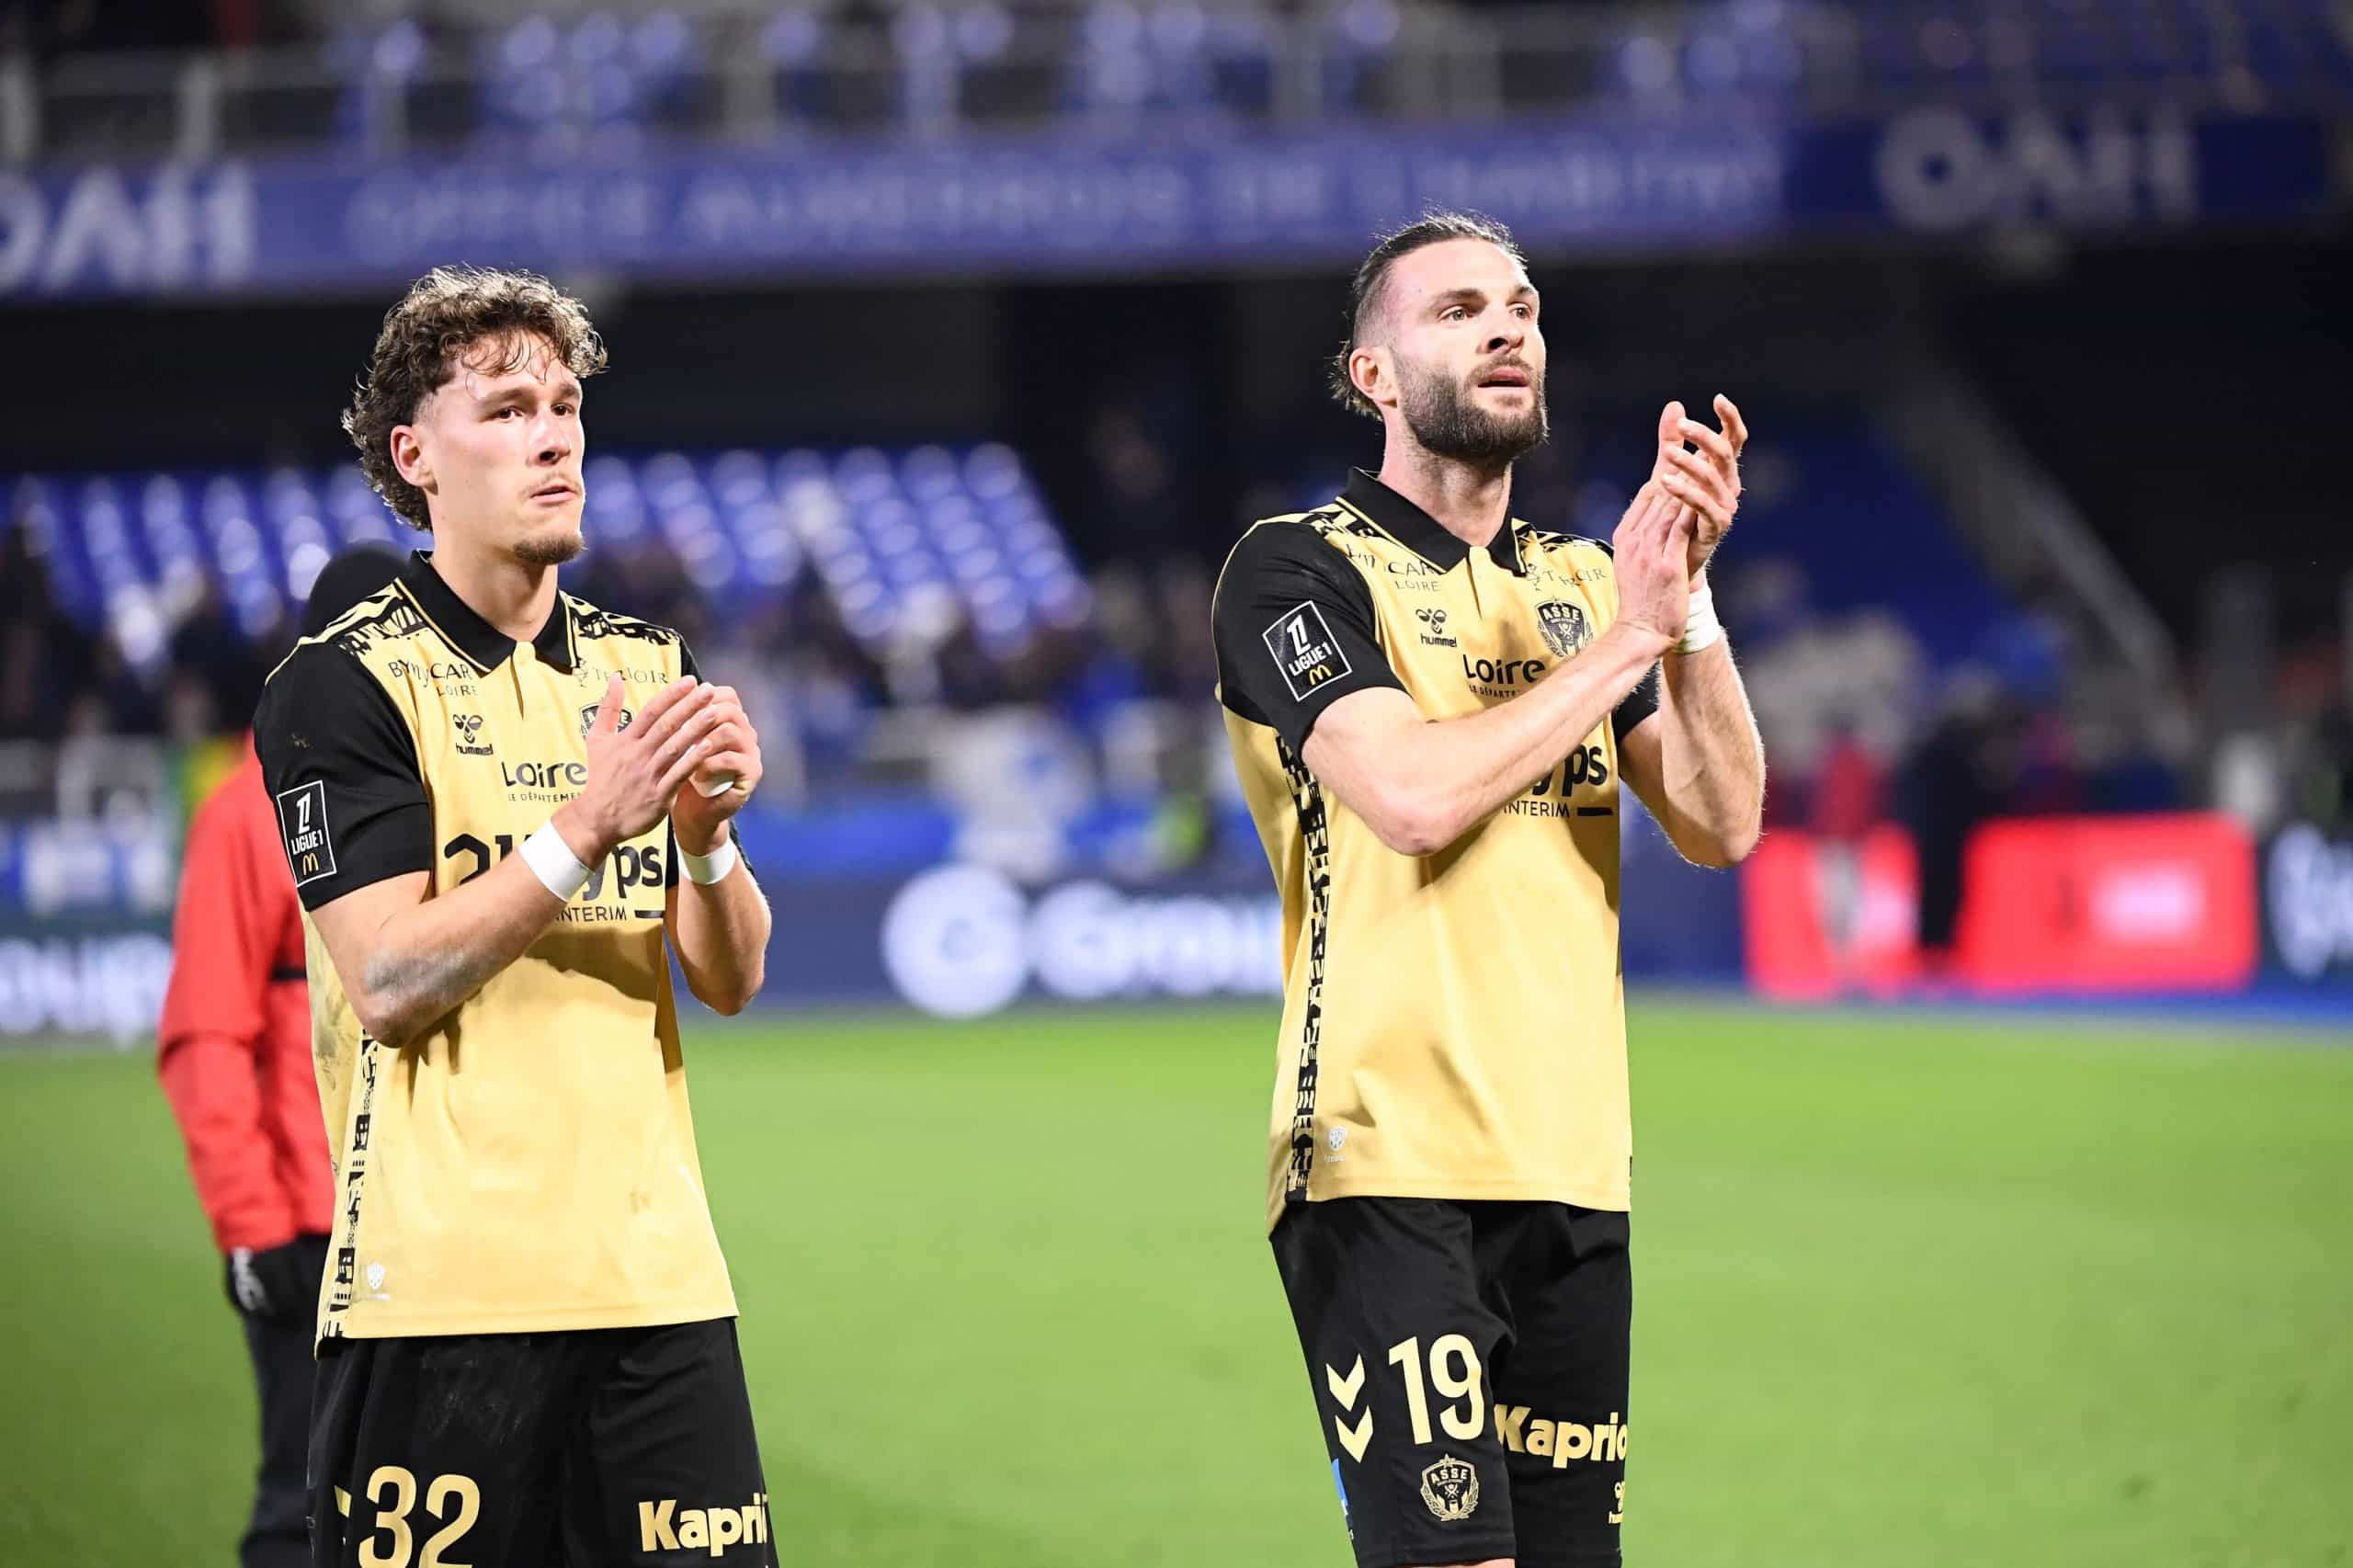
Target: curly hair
x: 1365, y: 288
x: 445, y: 315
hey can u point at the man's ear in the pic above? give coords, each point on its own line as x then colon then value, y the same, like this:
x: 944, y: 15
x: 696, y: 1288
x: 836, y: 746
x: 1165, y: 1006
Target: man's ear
x: 1373, y: 373
x: 408, y: 457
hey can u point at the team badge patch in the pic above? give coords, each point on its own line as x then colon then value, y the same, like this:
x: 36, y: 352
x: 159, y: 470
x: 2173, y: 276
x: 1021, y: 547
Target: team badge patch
x: 1565, y: 627
x: 1305, y: 651
x: 588, y: 718
x: 302, y: 823
x: 1450, y: 1487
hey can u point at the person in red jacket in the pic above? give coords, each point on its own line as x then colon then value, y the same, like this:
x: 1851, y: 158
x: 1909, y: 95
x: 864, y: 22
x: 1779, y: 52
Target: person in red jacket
x: 235, y: 1056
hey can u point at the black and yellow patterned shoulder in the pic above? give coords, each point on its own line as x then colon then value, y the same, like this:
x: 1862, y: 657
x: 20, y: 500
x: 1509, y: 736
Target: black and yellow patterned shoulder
x: 1334, y: 518
x: 642, y: 650
x: 591, y: 625
x: 1283, y: 535
x: 384, y: 616
x: 1532, y: 537
x: 588, y: 622
x: 1561, y: 547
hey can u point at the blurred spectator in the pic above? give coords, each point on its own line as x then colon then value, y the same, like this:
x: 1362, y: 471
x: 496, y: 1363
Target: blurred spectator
x: 221, y: 668
x: 1848, y: 798
x: 38, y: 647
x: 2323, y: 787
x: 1949, y: 790
x: 234, y: 1052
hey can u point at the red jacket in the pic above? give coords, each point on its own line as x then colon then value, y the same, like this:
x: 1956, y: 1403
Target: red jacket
x: 236, y: 1049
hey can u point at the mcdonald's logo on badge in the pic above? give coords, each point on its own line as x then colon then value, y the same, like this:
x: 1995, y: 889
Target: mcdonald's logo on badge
x: 302, y: 823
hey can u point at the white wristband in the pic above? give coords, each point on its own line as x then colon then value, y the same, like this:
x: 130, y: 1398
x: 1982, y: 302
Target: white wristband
x: 706, y: 869
x: 552, y: 861
x: 1701, y: 628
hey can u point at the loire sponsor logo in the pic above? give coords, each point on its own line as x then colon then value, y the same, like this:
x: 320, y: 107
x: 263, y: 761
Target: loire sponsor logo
x: 1500, y: 678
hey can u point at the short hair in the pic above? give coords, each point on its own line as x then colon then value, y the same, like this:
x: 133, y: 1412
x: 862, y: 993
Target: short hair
x: 441, y: 318
x: 1372, y: 277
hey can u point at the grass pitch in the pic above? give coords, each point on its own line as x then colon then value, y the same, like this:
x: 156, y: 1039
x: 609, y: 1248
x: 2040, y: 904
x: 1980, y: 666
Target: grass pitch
x: 1912, y: 1292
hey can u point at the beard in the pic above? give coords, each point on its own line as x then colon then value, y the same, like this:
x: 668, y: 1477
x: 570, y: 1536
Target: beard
x: 1447, y: 422
x: 551, y: 548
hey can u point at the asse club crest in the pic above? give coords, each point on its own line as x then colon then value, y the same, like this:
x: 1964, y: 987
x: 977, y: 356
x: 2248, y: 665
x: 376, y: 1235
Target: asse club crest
x: 589, y: 719
x: 1450, y: 1487
x: 1565, y: 627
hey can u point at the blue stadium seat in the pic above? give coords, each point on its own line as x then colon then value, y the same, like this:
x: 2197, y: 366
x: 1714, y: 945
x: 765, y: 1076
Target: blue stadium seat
x: 1240, y: 52
x: 37, y: 506
x: 1358, y: 38
x: 928, y: 533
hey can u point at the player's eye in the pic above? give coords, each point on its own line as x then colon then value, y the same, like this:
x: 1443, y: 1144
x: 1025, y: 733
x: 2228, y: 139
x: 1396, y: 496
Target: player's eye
x: 566, y: 408
x: 1455, y: 312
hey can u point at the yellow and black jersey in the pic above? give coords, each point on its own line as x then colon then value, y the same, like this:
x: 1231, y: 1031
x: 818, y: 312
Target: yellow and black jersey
x: 529, y: 1162
x: 1453, y: 1024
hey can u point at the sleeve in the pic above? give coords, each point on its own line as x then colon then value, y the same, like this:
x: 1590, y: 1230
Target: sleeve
x: 225, y: 941
x: 343, y: 776
x: 1295, y: 631
x: 1636, y: 705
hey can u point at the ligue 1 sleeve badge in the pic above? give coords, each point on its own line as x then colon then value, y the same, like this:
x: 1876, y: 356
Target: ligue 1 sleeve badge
x: 1450, y: 1487
x: 1565, y: 627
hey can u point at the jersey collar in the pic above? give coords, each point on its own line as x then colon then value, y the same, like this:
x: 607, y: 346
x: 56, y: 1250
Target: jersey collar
x: 1417, y: 530
x: 483, y: 644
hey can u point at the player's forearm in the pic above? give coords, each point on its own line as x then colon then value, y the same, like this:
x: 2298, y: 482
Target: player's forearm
x: 1459, y: 772
x: 721, y: 931
x: 1711, y: 757
x: 431, y: 956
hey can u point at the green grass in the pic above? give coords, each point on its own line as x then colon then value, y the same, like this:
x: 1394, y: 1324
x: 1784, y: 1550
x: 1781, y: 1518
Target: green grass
x: 1912, y: 1292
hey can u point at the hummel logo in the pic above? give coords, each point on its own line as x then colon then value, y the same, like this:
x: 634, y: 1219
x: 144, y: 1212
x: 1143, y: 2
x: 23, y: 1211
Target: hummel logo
x: 1353, y: 1437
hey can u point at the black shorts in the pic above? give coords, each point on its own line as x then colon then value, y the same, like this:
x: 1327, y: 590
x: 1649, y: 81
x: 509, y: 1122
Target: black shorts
x: 1469, y: 1362
x: 517, y: 1451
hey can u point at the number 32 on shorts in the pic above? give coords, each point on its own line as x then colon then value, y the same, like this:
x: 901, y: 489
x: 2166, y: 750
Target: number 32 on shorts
x: 453, y: 1502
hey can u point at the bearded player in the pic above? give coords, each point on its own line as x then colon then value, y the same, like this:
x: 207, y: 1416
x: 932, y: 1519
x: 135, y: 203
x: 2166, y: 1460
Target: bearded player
x: 1432, y: 707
